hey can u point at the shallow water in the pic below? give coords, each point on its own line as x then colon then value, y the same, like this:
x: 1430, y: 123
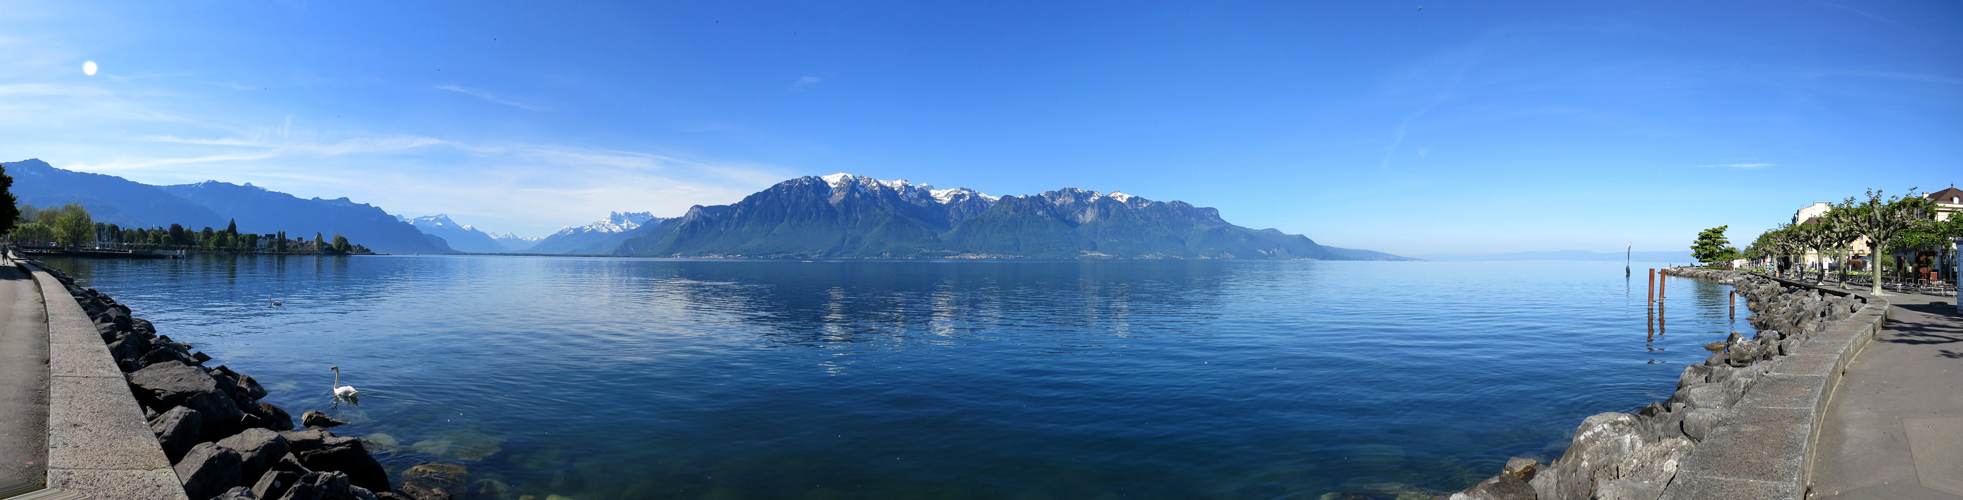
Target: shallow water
x: 597, y: 378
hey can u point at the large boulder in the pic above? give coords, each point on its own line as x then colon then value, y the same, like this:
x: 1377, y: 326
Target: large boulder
x: 1656, y: 463
x: 1628, y: 489
x: 274, y: 483
x: 346, y: 455
x: 169, y: 384
x: 251, y: 387
x: 176, y: 431
x: 259, y: 449
x: 1699, y: 423
x: 321, y: 486
x: 280, y: 420
x: 1600, y: 443
x: 237, y: 493
x: 208, y: 470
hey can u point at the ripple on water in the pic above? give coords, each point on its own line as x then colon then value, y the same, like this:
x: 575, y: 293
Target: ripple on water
x: 644, y: 378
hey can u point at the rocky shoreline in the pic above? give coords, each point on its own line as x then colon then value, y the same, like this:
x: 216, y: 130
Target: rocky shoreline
x: 221, y: 440
x: 1635, y: 456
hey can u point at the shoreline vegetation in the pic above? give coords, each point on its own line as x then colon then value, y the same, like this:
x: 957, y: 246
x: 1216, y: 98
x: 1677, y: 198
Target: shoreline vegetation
x: 70, y: 230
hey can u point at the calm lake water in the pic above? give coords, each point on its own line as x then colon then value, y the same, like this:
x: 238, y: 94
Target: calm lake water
x: 598, y: 378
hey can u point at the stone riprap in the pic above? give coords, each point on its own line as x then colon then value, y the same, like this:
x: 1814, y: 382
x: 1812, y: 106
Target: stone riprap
x: 1740, y: 423
x: 219, y: 439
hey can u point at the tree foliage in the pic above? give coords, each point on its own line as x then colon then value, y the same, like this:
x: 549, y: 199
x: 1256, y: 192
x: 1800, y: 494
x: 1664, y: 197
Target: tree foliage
x: 1712, y: 246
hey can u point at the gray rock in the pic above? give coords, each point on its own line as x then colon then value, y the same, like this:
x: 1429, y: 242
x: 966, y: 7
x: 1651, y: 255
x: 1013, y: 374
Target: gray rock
x: 1544, y: 482
x: 345, y: 455
x: 280, y: 420
x: 1627, y: 489
x: 419, y: 491
x: 1523, y: 468
x: 321, y: 486
x: 259, y: 450
x: 274, y: 483
x: 1500, y: 487
x: 251, y: 387
x: 1704, y: 396
x: 1699, y: 423
x: 1656, y: 463
x: 177, y: 431
x: 314, y: 419
x: 169, y: 384
x: 237, y: 493
x: 291, y: 463
x: 1695, y: 374
x: 1600, y: 443
x: 208, y: 470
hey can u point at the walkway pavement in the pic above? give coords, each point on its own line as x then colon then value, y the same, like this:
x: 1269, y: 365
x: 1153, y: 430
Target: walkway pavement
x: 1894, y: 429
x: 23, y: 384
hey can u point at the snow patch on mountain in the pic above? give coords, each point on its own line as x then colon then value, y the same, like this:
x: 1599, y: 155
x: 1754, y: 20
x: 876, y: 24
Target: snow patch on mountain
x: 841, y: 181
x: 616, y: 222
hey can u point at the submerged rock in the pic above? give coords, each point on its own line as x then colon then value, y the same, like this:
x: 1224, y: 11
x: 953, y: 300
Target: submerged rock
x: 314, y: 419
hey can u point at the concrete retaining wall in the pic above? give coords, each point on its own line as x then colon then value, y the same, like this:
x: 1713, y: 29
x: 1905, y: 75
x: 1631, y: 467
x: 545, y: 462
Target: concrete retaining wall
x: 98, y: 442
x: 1764, y: 448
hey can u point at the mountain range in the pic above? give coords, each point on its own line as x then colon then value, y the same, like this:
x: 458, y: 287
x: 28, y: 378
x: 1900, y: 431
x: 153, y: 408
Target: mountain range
x: 847, y: 216
x: 837, y: 216
x: 115, y: 200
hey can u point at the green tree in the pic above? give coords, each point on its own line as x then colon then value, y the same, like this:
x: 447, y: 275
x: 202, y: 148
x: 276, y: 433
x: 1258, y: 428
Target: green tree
x: 73, y: 226
x: 233, y: 227
x: 1882, y: 219
x: 1711, y: 245
x: 319, y: 246
x: 341, y: 245
x: 9, y: 214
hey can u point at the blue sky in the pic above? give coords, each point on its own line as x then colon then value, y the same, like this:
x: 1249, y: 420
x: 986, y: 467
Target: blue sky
x: 1458, y: 127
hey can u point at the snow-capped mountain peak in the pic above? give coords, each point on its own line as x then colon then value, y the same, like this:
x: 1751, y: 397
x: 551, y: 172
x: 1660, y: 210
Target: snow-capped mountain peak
x: 842, y: 181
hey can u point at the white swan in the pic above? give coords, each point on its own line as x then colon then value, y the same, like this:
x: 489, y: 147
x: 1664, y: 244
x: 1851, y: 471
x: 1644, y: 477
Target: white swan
x: 276, y: 303
x: 342, y: 391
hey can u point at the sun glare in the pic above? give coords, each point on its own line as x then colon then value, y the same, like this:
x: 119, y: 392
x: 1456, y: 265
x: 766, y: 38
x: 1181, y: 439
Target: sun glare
x: 88, y: 68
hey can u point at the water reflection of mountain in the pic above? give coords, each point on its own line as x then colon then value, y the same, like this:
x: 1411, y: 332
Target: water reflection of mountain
x: 827, y: 303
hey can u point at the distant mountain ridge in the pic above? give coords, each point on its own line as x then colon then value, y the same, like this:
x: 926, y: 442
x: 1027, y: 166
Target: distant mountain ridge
x: 460, y: 237
x: 115, y: 200
x: 601, y: 237
x: 847, y: 216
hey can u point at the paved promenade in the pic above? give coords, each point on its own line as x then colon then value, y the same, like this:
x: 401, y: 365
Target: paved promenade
x: 1894, y: 429
x: 23, y: 383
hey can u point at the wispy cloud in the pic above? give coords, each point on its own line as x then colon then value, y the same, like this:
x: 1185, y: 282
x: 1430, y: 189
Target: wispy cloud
x: 1737, y: 165
x: 805, y: 82
x: 480, y: 94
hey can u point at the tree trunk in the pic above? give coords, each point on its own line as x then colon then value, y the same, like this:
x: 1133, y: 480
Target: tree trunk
x: 1875, y: 250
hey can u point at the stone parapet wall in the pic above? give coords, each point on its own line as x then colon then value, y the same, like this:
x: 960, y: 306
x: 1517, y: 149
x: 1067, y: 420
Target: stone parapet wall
x: 1740, y: 425
x: 98, y: 442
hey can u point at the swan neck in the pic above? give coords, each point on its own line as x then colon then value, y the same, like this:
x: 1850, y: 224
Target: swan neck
x: 337, y: 379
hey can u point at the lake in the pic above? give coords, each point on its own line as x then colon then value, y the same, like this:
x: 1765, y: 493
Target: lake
x: 616, y: 378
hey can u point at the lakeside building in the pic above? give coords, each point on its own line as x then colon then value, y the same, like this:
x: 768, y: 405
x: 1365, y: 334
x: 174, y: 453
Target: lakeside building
x: 1948, y: 201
